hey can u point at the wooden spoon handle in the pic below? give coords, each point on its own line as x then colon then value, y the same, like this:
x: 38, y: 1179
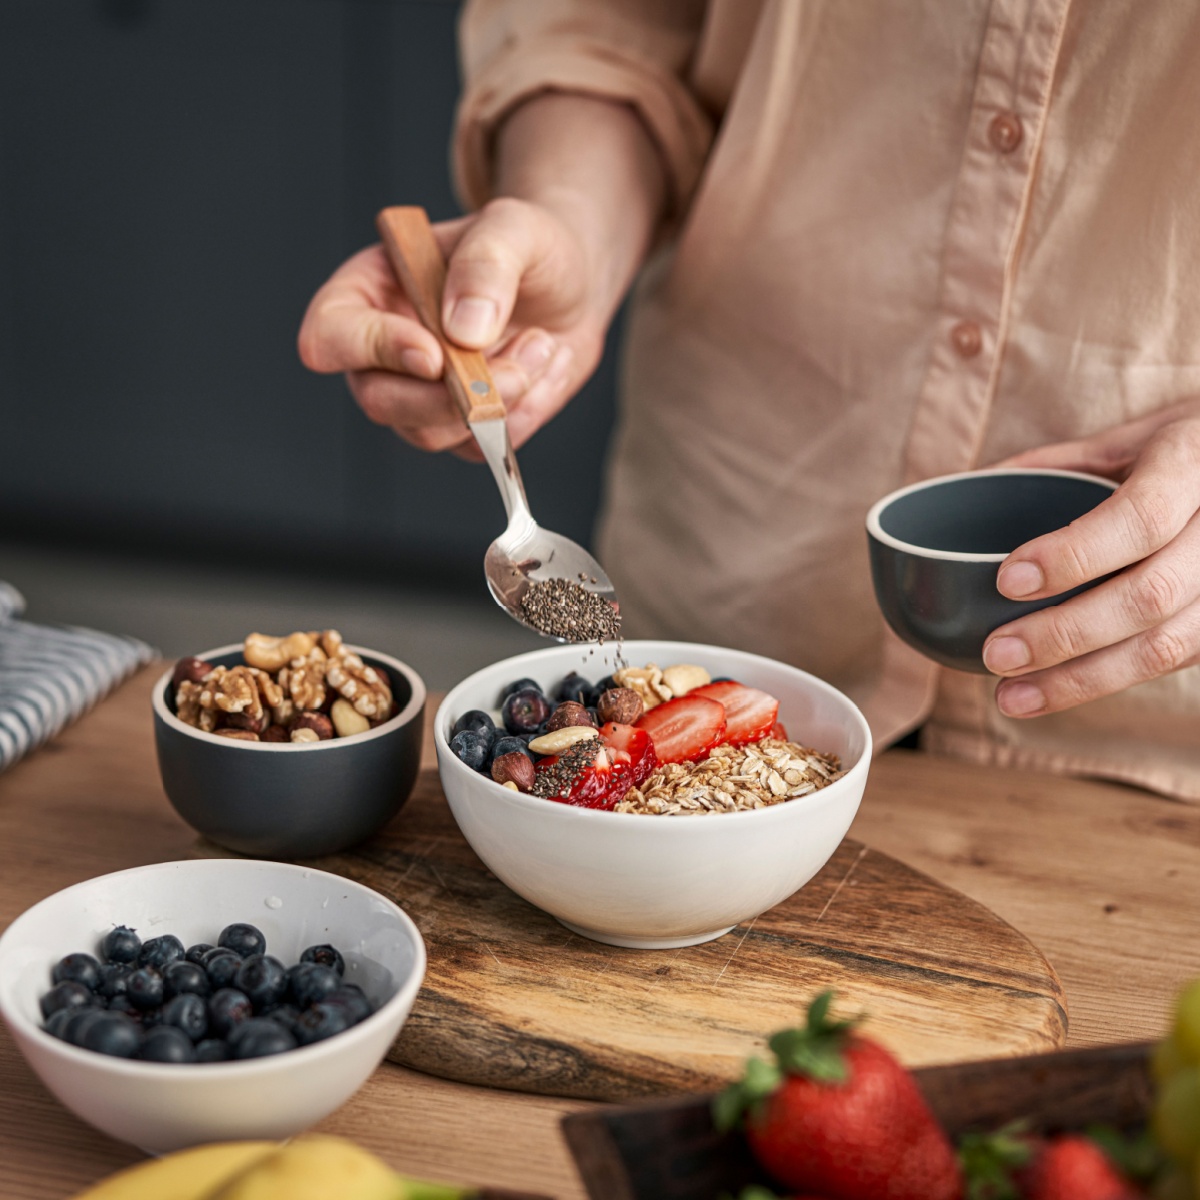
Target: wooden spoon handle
x: 417, y: 260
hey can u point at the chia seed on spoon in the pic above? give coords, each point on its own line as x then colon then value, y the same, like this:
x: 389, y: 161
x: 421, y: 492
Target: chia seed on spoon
x: 564, y: 609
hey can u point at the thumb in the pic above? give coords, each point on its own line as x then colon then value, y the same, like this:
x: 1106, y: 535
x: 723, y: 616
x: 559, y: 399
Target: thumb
x: 485, y: 269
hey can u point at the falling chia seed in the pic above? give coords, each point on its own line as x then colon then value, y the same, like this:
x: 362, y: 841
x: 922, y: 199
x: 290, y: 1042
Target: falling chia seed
x: 563, y: 609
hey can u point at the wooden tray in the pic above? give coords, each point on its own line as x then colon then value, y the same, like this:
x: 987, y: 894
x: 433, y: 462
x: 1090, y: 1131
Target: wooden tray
x: 512, y: 999
x: 669, y: 1150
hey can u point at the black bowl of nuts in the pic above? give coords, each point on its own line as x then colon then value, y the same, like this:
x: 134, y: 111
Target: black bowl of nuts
x: 289, y: 747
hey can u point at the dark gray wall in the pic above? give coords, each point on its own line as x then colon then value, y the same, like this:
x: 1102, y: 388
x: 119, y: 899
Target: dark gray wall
x: 176, y: 179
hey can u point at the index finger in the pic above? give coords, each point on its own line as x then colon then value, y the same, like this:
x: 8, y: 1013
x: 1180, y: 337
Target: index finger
x: 1145, y: 513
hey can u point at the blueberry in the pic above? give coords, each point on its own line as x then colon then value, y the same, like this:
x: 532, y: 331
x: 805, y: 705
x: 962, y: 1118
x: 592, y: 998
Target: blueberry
x: 188, y: 1012
x: 309, y: 982
x: 227, y: 1009
x: 114, y: 980
x: 573, y: 687
x: 57, y: 1022
x: 521, y: 685
x: 243, y: 939
x: 263, y: 979
x: 79, y: 1022
x: 323, y: 1020
x: 476, y: 721
x: 145, y: 987
x: 121, y: 945
x: 723, y: 679
x: 113, y: 1034
x: 77, y: 968
x: 185, y: 977
x: 326, y: 955
x: 152, y: 1016
x: 524, y: 711
x: 471, y: 748
x: 506, y: 745
x: 160, y: 951
x: 195, y: 954
x: 354, y: 1000
x: 165, y: 1043
x: 212, y: 1050
x: 283, y: 1014
x: 123, y: 1004
x: 605, y: 684
x: 67, y: 994
x: 221, y: 965
x: 259, y: 1037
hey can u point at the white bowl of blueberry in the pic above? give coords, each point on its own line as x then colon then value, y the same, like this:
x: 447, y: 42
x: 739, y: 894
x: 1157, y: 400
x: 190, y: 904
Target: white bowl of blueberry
x: 685, y: 792
x: 192, y: 1002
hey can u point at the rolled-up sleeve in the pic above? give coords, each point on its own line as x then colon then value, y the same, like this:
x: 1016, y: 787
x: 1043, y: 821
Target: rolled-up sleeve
x: 635, y: 52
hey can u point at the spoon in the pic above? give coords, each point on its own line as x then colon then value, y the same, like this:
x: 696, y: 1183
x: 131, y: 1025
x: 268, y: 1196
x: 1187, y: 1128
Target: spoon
x: 524, y: 554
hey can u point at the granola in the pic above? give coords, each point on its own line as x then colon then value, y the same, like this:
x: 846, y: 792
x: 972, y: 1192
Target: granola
x: 733, y: 779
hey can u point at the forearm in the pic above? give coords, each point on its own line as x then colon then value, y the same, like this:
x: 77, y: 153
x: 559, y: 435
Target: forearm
x: 594, y: 166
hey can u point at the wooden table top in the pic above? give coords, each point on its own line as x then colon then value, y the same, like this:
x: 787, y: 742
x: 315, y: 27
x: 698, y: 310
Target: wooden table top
x: 1103, y: 878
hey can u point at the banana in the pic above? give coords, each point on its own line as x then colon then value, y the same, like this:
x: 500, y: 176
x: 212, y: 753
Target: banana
x: 186, y: 1175
x: 318, y: 1167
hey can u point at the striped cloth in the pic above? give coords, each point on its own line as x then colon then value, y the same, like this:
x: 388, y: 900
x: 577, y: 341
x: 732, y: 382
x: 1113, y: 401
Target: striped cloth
x: 51, y: 675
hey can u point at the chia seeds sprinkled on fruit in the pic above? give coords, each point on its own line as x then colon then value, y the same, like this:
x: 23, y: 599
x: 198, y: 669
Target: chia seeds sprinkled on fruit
x: 556, y: 779
x: 564, y: 609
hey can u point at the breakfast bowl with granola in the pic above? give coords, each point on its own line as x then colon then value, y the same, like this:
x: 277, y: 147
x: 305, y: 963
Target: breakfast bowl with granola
x: 288, y: 746
x: 652, y: 794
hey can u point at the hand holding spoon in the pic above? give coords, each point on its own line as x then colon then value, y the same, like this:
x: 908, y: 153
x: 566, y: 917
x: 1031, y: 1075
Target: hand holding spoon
x: 545, y: 581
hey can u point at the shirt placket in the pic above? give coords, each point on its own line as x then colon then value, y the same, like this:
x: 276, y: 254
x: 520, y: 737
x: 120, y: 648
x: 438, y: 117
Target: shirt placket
x: 1008, y: 110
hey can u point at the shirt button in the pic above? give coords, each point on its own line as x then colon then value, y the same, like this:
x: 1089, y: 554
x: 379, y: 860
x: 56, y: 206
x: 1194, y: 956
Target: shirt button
x: 967, y: 338
x: 1005, y: 132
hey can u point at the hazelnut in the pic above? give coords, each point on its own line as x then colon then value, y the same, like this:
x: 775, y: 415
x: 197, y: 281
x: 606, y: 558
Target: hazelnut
x: 243, y: 720
x: 319, y: 723
x: 515, y: 768
x: 191, y: 669
x: 621, y: 705
x: 569, y: 712
x: 237, y: 735
x: 274, y: 733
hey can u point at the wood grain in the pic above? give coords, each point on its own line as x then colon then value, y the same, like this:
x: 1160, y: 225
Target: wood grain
x: 512, y: 999
x: 669, y: 1150
x: 1098, y: 875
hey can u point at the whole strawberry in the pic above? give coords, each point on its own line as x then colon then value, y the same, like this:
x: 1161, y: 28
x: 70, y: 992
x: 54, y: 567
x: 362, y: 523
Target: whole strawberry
x: 1071, y: 1167
x: 840, y: 1117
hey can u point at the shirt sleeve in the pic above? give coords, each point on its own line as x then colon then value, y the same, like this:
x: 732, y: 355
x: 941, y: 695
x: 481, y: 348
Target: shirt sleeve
x: 635, y: 52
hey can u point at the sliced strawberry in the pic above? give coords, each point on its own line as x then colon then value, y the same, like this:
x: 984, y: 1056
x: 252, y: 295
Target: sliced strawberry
x: 684, y: 729
x: 632, y: 753
x: 779, y: 732
x: 590, y: 787
x: 749, y: 713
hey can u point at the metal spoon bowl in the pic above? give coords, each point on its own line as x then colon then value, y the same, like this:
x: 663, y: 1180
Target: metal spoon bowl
x: 524, y: 553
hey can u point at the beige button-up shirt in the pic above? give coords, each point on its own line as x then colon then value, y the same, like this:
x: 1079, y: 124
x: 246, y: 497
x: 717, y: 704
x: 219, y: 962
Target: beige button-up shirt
x: 912, y: 238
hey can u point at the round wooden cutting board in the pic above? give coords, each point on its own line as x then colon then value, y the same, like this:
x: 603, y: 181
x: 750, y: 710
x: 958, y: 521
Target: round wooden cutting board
x: 512, y: 999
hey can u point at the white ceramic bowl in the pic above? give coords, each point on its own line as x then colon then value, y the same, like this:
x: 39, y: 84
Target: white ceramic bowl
x: 657, y: 882
x: 162, y: 1107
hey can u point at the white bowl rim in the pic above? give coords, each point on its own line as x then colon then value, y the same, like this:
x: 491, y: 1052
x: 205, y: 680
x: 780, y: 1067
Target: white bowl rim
x: 523, y: 799
x: 133, y: 1068
x: 406, y: 714
x: 875, y: 528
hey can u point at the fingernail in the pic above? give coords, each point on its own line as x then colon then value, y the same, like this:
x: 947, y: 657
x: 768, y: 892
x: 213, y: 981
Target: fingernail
x: 1020, y: 579
x: 472, y: 320
x: 1020, y: 699
x: 1006, y: 654
x: 533, y: 355
x: 417, y: 362
x: 510, y: 383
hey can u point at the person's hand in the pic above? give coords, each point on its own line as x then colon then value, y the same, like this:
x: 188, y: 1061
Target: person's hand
x: 516, y: 288
x: 1142, y: 623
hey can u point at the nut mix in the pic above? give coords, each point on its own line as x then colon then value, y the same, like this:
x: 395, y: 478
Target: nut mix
x: 306, y: 687
x: 644, y: 740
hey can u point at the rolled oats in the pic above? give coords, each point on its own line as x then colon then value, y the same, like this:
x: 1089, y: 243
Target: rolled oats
x: 733, y: 779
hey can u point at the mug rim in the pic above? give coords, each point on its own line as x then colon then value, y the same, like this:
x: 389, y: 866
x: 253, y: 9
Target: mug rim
x: 876, y: 530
